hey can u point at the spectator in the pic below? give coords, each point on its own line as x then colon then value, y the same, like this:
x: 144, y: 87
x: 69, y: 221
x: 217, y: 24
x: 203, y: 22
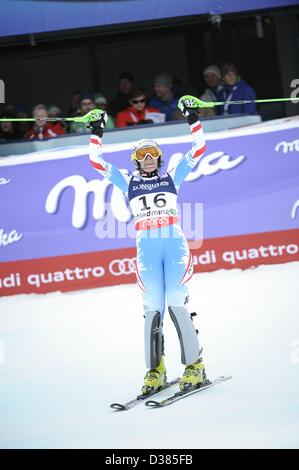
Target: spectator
x: 42, y: 129
x: 22, y: 113
x: 212, y: 76
x: 55, y: 112
x: 121, y: 100
x: 101, y: 102
x: 86, y: 104
x: 138, y: 112
x: 235, y: 90
x: 164, y: 99
x: 75, y: 104
x: 8, y: 130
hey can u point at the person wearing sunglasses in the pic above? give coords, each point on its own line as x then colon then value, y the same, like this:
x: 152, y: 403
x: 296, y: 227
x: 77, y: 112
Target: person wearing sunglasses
x: 138, y: 112
x: 164, y: 262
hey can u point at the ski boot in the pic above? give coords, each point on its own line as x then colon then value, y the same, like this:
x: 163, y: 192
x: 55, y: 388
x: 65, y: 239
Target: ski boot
x: 154, y: 379
x: 193, y: 376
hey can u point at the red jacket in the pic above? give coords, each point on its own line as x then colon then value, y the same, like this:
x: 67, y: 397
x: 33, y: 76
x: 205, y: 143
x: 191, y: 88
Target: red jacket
x: 130, y: 116
x: 46, y: 132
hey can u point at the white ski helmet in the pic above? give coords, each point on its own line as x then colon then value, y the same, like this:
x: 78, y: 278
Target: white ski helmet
x: 142, y: 149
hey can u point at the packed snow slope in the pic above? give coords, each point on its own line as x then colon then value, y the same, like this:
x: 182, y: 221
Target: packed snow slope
x: 64, y: 357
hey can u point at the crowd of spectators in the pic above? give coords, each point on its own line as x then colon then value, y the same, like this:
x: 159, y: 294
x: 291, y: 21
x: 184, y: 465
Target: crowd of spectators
x: 132, y: 105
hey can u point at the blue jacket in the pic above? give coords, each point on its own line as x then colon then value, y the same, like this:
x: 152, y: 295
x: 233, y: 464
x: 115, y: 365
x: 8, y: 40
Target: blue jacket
x: 166, y: 107
x: 240, y: 91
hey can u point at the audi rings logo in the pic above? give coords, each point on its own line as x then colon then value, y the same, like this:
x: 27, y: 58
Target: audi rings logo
x: 125, y: 266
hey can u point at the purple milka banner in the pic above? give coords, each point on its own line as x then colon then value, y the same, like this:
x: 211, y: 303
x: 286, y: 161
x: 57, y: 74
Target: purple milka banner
x: 247, y: 184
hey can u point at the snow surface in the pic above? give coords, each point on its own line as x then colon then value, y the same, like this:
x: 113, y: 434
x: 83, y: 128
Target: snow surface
x: 65, y: 357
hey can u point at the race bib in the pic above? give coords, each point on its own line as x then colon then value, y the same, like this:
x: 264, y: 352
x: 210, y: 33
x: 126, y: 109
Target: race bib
x: 154, y: 210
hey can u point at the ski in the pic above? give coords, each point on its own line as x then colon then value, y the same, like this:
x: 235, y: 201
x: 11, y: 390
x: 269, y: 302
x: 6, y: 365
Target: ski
x: 141, y: 398
x: 179, y: 395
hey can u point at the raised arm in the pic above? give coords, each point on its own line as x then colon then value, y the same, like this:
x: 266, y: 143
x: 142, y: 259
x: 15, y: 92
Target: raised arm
x: 107, y: 170
x: 191, y: 158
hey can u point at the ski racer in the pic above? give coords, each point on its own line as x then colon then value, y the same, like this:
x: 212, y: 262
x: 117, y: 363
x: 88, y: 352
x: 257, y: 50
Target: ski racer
x: 164, y: 262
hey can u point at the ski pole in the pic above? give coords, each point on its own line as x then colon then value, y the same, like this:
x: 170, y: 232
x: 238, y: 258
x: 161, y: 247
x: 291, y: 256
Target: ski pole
x: 93, y: 115
x: 192, y: 102
x: 270, y: 100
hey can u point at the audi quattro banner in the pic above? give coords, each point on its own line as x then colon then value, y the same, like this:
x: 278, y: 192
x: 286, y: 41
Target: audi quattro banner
x: 62, y: 227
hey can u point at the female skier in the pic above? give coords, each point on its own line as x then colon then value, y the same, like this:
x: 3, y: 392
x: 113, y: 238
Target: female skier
x: 164, y: 262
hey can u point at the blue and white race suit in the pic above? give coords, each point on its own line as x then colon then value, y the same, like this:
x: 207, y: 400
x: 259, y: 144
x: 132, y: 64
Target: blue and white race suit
x: 164, y: 262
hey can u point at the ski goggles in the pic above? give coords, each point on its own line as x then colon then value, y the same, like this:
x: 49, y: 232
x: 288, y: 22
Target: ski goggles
x: 142, y: 153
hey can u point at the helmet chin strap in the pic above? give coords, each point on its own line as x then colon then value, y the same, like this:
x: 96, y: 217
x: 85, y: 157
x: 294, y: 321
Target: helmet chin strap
x: 146, y: 174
